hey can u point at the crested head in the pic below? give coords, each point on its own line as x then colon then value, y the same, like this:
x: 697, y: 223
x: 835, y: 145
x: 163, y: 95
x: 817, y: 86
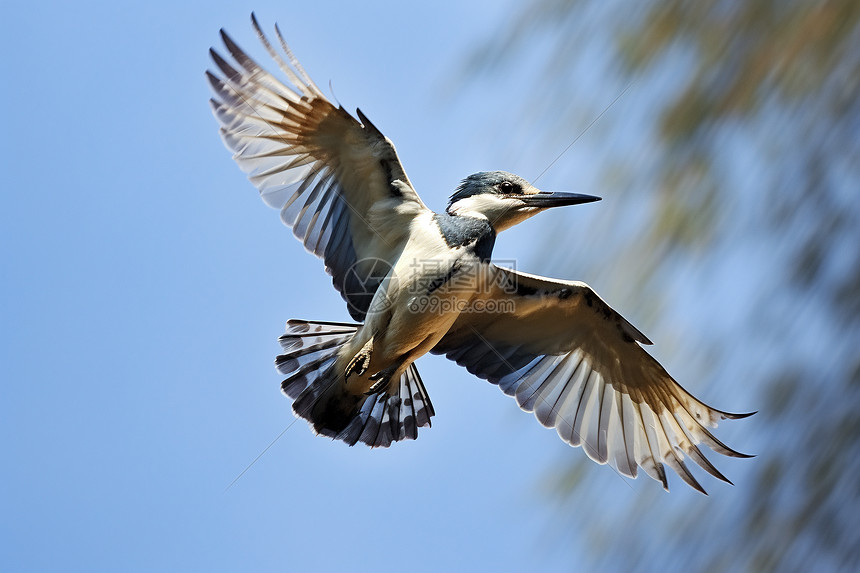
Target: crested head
x: 505, y: 199
x: 497, y: 182
x: 493, y: 195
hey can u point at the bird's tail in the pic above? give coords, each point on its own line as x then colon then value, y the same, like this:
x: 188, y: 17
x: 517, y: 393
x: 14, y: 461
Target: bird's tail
x: 323, y: 397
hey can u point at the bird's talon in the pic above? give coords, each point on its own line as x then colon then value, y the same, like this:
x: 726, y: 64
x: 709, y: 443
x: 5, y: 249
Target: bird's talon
x: 361, y: 361
x: 358, y: 365
x: 381, y: 380
x: 377, y: 386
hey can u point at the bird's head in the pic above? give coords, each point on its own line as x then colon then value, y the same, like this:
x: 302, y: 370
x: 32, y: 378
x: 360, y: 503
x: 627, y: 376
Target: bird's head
x: 505, y: 199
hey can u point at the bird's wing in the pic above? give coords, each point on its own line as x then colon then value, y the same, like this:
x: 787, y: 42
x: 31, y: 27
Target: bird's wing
x: 566, y: 355
x: 338, y: 183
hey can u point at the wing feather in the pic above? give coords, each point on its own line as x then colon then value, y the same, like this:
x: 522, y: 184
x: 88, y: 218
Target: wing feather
x: 567, y: 356
x: 323, y: 169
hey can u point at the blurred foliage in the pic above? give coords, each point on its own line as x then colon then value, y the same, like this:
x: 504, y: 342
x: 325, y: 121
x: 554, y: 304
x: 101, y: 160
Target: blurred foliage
x: 748, y: 51
x: 748, y: 173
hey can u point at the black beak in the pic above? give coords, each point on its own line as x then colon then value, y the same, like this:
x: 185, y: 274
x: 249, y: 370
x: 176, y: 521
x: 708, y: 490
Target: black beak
x: 547, y: 199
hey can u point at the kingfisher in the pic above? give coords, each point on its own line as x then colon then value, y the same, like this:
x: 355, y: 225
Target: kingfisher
x: 415, y: 282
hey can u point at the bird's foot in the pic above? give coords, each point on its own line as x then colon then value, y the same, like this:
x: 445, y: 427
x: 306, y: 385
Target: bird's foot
x: 381, y: 380
x: 361, y: 361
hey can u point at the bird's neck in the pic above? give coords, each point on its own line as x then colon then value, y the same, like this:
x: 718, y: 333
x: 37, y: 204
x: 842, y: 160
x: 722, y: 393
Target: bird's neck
x: 475, y: 233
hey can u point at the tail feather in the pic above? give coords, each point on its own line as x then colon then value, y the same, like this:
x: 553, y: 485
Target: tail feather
x: 309, y: 348
x: 415, y: 403
x: 323, y: 398
x: 392, y: 414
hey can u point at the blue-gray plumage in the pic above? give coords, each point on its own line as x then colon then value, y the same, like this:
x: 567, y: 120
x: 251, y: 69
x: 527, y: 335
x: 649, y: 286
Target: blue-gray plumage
x: 421, y: 282
x: 498, y: 182
x: 462, y: 231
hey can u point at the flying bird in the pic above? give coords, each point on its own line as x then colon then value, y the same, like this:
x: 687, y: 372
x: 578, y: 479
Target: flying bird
x: 416, y: 281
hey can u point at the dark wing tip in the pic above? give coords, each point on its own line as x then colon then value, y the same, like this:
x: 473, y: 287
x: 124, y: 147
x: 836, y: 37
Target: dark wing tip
x: 256, y: 25
x: 232, y: 46
x: 691, y: 481
x: 731, y: 416
x: 367, y: 123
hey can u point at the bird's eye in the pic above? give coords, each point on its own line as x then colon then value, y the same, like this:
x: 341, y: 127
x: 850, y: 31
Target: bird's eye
x: 507, y: 187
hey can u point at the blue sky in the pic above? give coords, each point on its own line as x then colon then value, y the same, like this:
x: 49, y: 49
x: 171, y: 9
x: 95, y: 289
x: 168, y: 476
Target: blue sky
x: 145, y: 285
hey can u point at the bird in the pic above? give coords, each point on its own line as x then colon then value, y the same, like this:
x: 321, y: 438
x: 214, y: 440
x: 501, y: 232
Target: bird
x: 417, y: 281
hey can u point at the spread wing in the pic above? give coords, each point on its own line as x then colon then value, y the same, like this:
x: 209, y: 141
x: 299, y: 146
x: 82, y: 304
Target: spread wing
x: 580, y: 367
x: 338, y: 183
